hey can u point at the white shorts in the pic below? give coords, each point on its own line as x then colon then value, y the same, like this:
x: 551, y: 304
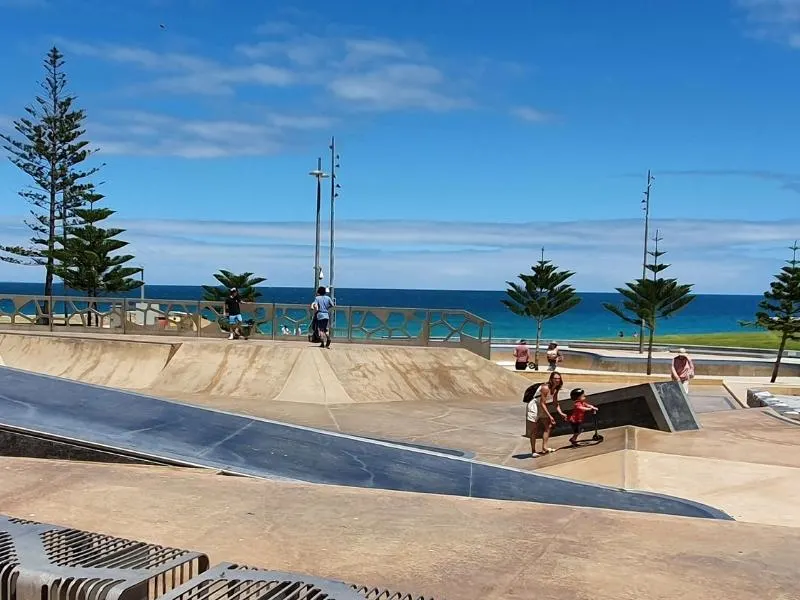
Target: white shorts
x: 532, y: 411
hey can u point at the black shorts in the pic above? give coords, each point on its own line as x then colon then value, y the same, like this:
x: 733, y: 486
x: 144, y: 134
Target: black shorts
x: 521, y: 366
x: 322, y: 324
x: 576, y: 428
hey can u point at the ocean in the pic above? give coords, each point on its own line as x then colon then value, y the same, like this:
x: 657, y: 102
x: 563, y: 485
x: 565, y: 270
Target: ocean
x: 709, y: 313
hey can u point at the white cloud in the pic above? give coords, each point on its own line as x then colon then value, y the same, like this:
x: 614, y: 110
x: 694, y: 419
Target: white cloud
x: 358, y: 72
x: 532, y: 115
x: 719, y: 257
x: 152, y: 134
x: 397, y: 86
x: 777, y: 20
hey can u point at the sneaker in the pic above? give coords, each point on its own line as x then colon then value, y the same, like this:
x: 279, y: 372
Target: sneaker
x: 230, y: 337
x: 535, y: 455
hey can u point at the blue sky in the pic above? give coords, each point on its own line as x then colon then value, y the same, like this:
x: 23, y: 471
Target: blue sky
x: 471, y: 133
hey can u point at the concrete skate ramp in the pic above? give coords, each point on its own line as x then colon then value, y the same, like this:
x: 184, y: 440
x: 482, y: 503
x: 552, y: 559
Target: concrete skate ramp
x: 381, y: 374
x: 264, y: 370
x: 755, y: 493
x: 349, y: 373
x: 111, y: 362
x: 187, y: 434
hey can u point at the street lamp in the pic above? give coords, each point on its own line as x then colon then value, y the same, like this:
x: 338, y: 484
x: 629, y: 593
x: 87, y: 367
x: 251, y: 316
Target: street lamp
x: 646, y: 209
x: 334, y: 194
x: 319, y: 175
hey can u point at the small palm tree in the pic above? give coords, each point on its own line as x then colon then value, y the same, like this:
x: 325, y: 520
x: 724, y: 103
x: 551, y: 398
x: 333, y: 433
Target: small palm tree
x: 541, y: 296
x: 244, y: 282
x: 647, y: 300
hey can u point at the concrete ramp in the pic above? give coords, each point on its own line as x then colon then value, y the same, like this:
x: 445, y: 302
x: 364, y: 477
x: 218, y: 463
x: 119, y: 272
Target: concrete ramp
x: 111, y: 362
x: 348, y: 373
x: 239, y: 370
x: 180, y: 433
x: 262, y: 370
x: 756, y: 493
x: 384, y: 374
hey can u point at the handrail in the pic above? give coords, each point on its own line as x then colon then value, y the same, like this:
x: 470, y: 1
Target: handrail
x: 270, y: 320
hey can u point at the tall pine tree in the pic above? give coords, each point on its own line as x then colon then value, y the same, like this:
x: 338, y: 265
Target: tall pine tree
x: 647, y: 300
x: 49, y: 148
x: 541, y: 295
x: 89, y: 260
x: 779, y: 311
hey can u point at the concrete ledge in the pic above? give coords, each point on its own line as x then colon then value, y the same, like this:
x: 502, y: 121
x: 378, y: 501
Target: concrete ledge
x: 618, y: 378
x: 591, y: 361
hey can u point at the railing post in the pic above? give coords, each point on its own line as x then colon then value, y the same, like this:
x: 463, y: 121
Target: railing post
x: 274, y: 320
x: 426, y: 329
x: 50, y: 311
x: 349, y: 323
x: 198, y: 318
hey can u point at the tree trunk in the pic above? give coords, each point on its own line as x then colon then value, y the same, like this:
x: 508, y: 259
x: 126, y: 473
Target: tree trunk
x: 650, y: 351
x: 777, y: 366
x: 536, y: 347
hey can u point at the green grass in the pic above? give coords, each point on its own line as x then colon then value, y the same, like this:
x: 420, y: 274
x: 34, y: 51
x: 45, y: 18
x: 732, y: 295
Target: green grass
x: 742, y: 339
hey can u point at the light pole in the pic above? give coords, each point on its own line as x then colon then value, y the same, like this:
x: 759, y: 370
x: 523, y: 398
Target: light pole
x: 334, y: 194
x: 646, y: 208
x: 141, y: 288
x: 319, y: 175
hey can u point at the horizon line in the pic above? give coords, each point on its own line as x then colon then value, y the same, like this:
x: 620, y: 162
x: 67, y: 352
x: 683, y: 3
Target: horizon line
x: 337, y: 288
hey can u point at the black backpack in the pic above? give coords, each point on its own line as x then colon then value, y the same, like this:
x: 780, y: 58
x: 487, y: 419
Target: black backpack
x: 531, y: 392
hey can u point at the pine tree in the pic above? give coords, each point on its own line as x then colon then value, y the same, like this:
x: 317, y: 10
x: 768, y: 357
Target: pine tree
x: 780, y: 309
x: 49, y: 149
x: 89, y: 260
x: 542, y: 295
x: 244, y: 282
x: 647, y: 300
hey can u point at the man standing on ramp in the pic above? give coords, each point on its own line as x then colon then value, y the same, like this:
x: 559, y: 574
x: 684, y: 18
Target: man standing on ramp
x: 322, y: 310
x: 233, y: 309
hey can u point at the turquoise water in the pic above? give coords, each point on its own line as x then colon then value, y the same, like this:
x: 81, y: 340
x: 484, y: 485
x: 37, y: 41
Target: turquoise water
x: 707, y: 314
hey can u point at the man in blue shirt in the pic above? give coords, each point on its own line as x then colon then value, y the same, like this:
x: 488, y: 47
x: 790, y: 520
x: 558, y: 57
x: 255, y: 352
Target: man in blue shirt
x: 322, y: 309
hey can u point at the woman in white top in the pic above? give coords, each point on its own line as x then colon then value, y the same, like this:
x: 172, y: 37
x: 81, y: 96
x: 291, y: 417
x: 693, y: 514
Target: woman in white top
x: 553, y: 356
x: 537, y: 414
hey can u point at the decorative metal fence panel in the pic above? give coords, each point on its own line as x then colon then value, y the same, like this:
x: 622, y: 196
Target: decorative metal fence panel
x: 190, y: 318
x: 56, y: 563
x: 41, y: 561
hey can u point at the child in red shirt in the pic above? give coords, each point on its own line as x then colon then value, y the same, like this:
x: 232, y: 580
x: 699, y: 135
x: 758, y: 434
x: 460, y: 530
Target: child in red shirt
x: 578, y: 413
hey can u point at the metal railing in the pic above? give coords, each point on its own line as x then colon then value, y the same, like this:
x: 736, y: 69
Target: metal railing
x: 191, y: 318
x: 39, y: 560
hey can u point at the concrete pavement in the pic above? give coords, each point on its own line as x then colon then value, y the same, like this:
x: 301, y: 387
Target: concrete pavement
x: 439, y: 546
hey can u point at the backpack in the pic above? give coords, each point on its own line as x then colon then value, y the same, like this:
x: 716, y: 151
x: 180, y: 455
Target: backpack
x: 531, y: 392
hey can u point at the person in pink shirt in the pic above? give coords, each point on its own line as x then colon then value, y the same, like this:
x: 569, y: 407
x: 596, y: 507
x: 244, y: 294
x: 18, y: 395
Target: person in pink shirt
x: 682, y: 369
x: 522, y: 356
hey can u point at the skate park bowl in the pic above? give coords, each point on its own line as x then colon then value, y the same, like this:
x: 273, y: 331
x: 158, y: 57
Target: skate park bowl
x: 167, y: 432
